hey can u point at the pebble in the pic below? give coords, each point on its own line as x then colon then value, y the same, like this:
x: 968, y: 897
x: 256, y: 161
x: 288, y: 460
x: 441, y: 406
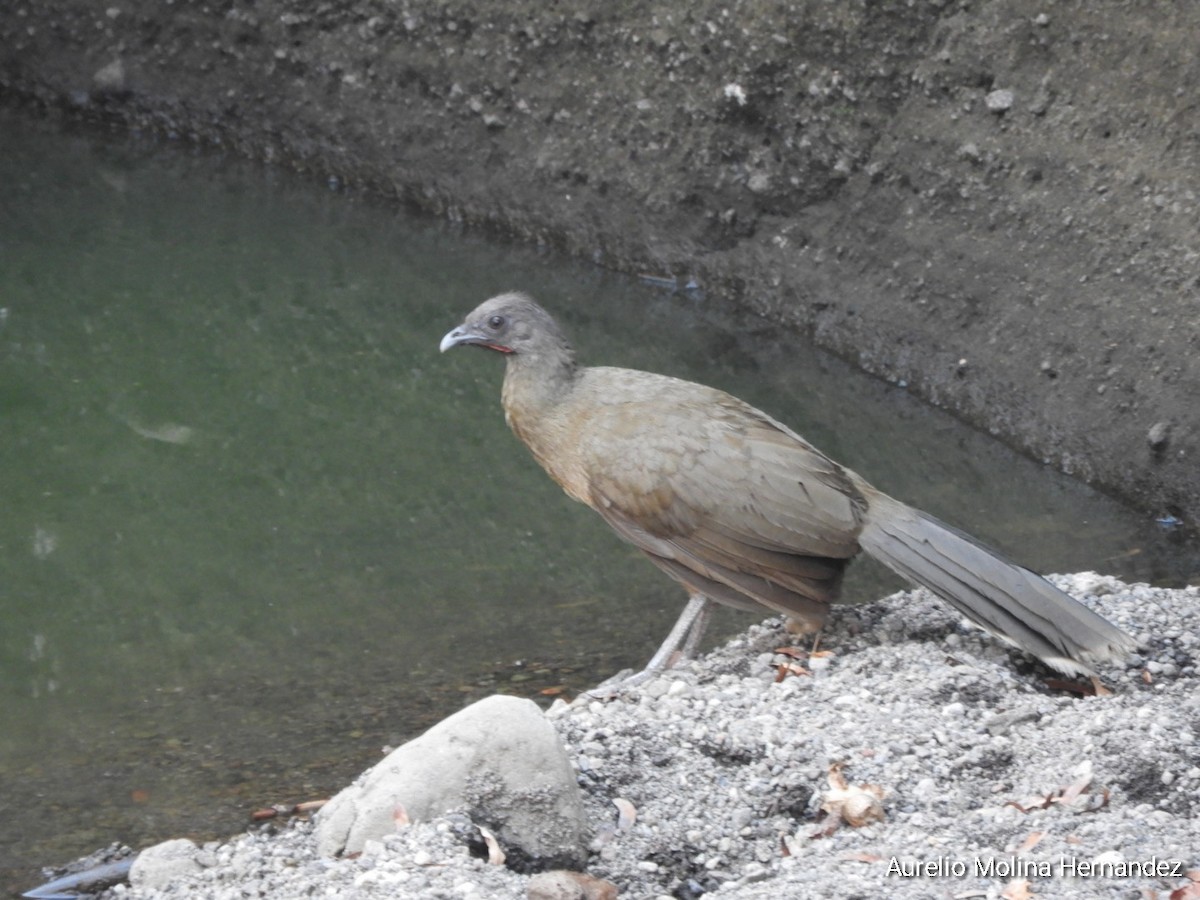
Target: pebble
x: 1157, y: 436
x: 110, y: 77
x: 999, y: 101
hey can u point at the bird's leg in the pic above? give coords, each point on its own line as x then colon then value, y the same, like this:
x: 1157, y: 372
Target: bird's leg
x: 690, y: 625
x: 687, y: 630
x: 698, y: 627
x: 803, y: 627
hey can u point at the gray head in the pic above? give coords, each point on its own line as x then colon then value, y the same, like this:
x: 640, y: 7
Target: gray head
x: 512, y: 324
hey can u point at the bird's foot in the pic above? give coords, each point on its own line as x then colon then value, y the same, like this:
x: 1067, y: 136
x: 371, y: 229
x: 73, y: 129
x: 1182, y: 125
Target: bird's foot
x: 681, y: 643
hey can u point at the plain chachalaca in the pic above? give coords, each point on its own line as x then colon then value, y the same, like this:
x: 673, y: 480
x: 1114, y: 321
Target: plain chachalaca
x: 742, y: 510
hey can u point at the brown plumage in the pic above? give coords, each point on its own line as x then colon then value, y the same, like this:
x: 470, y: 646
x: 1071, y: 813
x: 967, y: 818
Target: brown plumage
x: 739, y: 508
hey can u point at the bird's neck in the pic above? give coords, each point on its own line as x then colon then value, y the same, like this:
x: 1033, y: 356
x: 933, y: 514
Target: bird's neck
x: 536, y: 383
x: 537, y: 395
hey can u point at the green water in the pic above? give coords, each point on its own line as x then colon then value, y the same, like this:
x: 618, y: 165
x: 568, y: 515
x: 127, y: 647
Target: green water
x: 253, y: 527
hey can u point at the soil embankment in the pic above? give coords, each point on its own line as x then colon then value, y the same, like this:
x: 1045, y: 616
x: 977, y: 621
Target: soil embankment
x: 994, y: 202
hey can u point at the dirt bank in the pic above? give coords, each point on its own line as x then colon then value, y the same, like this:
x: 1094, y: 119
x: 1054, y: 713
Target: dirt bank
x: 995, y: 202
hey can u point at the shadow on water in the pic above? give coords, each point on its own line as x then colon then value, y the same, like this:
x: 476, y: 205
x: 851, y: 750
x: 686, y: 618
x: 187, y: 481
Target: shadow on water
x: 255, y: 527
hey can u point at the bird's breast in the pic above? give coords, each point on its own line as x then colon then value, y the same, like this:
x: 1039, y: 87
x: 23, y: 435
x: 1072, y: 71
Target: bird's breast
x: 553, y: 445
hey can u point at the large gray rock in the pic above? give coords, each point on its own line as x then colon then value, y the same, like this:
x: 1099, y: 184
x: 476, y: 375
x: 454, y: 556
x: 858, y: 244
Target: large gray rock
x: 498, y: 760
x: 164, y: 864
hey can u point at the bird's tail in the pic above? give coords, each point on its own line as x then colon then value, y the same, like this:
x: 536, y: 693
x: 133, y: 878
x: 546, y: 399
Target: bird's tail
x: 1008, y: 600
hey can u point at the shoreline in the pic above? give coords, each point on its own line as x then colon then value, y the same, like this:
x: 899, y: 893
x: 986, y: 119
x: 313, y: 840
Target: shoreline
x: 727, y: 763
x: 993, y: 206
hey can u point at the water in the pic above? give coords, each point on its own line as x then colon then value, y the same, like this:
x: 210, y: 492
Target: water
x: 255, y: 528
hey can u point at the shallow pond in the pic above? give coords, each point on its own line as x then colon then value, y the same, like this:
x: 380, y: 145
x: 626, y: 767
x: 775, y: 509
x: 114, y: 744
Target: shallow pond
x: 256, y: 528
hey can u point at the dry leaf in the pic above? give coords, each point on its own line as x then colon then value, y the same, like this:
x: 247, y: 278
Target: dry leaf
x: 831, y: 825
x: 1029, y: 804
x: 1096, y: 801
x: 1017, y: 889
x: 1189, y: 891
x: 626, y: 814
x: 783, y: 670
x: 400, y: 816
x: 553, y: 691
x: 856, y: 805
x: 496, y: 856
x: 861, y: 857
x: 862, y: 807
x: 793, y: 652
x: 792, y: 845
x: 837, y: 780
x: 1072, y: 796
x: 1073, y: 790
x: 1093, y: 687
x: 1032, y: 841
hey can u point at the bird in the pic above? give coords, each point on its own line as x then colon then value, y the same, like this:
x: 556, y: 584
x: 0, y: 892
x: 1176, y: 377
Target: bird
x: 740, y: 509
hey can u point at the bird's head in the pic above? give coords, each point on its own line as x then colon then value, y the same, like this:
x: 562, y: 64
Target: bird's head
x: 512, y: 324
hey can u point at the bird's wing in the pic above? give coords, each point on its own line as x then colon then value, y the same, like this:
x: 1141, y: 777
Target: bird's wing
x: 722, y: 489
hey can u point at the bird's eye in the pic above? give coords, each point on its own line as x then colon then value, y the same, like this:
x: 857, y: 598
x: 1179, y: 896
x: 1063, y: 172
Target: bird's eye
x: 496, y: 323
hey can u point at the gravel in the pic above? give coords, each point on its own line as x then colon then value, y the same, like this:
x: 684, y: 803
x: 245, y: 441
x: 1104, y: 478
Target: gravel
x: 990, y: 776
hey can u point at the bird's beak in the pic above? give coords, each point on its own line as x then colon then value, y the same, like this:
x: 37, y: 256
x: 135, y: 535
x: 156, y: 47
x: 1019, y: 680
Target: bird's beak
x: 460, y: 335
x: 465, y: 334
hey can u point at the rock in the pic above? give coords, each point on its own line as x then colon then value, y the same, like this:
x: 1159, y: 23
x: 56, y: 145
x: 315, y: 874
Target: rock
x: 498, y: 760
x: 759, y: 183
x: 1158, y: 435
x: 164, y: 864
x: 1004, y: 722
x: 557, y: 885
x: 564, y: 885
x: 999, y: 101
x: 110, y: 77
x: 1093, y: 583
